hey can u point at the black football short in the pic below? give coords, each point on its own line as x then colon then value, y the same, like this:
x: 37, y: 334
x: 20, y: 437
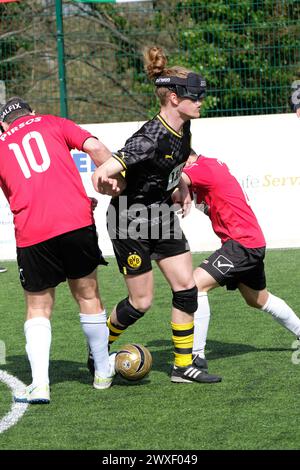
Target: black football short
x: 233, y: 264
x: 71, y: 255
x: 134, y: 255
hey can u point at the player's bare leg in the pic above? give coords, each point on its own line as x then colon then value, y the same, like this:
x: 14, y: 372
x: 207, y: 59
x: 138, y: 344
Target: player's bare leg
x: 93, y: 322
x: 140, y: 296
x: 129, y: 310
x: 269, y: 303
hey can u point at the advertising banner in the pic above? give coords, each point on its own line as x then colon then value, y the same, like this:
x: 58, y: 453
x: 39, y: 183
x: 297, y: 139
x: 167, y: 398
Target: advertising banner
x: 261, y: 151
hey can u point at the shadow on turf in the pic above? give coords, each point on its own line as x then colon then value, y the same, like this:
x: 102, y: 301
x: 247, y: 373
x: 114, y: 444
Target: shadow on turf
x: 161, y: 350
x: 163, y: 358
x: 60, y: 371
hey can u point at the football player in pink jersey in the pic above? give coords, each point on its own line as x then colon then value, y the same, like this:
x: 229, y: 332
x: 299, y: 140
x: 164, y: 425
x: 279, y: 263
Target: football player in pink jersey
x: 55, y: 233
x: 239, y: 263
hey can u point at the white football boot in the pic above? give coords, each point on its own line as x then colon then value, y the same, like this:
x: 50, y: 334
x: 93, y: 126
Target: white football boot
x: 101, y: 382
x: 34, y: 394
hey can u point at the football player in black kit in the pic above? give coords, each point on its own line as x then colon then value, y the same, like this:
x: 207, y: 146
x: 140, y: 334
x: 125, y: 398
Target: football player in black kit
x: 142, y: 222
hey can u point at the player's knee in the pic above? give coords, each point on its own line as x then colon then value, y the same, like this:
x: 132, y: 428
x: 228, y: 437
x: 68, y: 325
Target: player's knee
x: 143, y: 303
x: 252, y: 303
x: 89, y: 303
x: 127, y: 314
x: 186, y: 300
x: 255, y: 301
x: 85, y: 295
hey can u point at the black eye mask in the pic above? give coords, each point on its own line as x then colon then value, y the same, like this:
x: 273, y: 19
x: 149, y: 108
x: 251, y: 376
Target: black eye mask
x: 192, y: 87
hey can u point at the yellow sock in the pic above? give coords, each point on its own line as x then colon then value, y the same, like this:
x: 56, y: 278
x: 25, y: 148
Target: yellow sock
x: 114, y: 331
x: 183, y: 337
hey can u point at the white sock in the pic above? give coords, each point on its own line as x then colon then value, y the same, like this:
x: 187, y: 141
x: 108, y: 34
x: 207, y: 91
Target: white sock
x: 201, y: 322
x: 38, y: 341
x: 96, y: 332
x: 282, y: 313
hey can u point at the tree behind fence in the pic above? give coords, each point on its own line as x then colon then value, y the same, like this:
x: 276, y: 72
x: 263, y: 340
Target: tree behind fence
x: 247, y: 50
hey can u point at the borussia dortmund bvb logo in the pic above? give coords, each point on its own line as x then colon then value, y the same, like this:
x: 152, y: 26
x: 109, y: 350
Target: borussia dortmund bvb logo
x: 134, y: 261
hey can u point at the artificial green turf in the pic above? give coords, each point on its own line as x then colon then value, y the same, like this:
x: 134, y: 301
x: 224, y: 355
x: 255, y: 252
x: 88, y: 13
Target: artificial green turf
x: 256, y: 406
x: 5, y: 398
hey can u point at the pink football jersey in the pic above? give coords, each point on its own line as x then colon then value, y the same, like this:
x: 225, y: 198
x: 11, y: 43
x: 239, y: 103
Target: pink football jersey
x: 222, y: 198
x: 40, y: 180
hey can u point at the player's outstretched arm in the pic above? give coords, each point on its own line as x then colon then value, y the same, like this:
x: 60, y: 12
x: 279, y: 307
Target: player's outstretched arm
x: 106, y: 179
x: 98, y: 152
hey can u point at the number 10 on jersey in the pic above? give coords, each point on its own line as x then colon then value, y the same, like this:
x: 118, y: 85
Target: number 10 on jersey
x: 25, y: 150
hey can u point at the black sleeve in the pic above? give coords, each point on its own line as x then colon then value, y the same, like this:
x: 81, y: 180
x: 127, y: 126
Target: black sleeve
x: 136, y: 149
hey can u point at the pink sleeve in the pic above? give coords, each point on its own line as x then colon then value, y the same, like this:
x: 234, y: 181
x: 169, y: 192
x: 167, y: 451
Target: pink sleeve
x: 74, y: 135
x: 199, y: 174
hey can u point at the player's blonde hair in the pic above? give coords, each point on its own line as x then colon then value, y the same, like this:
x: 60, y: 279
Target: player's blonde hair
x: 155, y: 64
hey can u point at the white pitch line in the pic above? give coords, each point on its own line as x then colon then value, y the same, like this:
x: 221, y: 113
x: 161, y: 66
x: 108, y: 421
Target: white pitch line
x: 17, y: 409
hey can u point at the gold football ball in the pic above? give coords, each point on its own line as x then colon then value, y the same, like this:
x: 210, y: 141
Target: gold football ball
x: 133, y: 361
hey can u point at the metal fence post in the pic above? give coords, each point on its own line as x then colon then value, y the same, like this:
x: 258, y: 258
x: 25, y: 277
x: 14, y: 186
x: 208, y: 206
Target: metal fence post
x: 61, y: 60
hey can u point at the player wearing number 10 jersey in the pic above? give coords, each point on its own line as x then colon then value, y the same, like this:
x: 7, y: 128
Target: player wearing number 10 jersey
x: 39, y: 177
x: 55, y: 232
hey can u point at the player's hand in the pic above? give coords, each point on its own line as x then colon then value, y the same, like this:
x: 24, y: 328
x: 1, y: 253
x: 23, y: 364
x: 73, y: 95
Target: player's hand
x: 94, y: 203
x: 104, y: 185
x: 182, y: 197
x: 108, y: 186
x: 186, y: 204
x: 106, y: 178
